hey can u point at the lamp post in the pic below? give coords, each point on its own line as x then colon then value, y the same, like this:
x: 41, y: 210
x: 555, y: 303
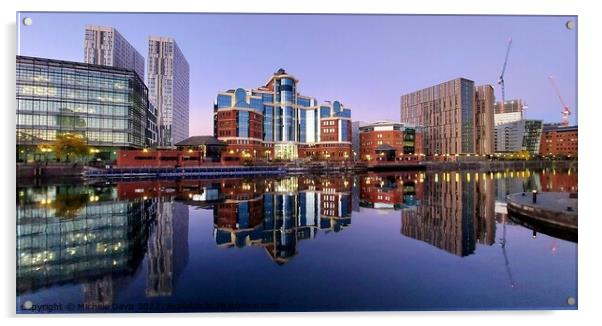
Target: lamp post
x: 534, y: 196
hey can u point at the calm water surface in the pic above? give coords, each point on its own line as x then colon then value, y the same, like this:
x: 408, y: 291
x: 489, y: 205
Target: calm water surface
x: 390, y: 241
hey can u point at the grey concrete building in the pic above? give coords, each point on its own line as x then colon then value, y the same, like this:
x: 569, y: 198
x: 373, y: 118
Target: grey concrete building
x: 518, y: 136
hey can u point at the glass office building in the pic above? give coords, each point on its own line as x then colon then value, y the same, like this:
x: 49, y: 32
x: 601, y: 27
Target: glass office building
x: 106, y: 106
x: 278, y: 122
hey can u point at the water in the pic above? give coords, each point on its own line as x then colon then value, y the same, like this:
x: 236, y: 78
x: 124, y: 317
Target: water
x: 392, y: 241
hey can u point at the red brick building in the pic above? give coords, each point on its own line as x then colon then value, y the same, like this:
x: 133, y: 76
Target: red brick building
x: 387, y: 141
x: 331, y: 146
x: 559, y: 140
x: 193, y: 151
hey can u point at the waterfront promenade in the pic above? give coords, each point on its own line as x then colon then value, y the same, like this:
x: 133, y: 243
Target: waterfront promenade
x: 50, y: 170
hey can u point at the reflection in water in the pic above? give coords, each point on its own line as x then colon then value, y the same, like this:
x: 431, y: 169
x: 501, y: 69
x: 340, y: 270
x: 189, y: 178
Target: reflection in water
x: 391, y: 190
x: 99, y: 240
x: 456, y: 211
x: 277, y: 214
x: 167, y: 248
x: 100, y: 236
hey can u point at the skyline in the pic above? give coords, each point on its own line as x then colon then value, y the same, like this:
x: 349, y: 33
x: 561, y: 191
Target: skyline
x: 320, y: 49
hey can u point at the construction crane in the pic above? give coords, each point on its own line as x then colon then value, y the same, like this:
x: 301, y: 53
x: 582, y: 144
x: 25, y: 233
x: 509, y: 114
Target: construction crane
x: 501, y: 80
x: 566, y: 111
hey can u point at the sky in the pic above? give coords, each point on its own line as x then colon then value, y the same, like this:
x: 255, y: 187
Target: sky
x: 365, y: 61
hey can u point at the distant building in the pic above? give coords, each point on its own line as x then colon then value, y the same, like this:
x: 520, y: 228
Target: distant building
x: 453, y: 119
x: 106, y: 106
x: 355, y: 138
x: 387, y: 141
x: 275, y: 122
x: 523, y: 135
x: 168, y: 84
x: 559, y: 140
x: 104, y: 45
x: 511, y: 111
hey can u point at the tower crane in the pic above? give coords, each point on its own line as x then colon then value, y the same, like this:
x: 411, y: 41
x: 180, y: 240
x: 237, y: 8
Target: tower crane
x: 501, y: 80
x: 566, y: 111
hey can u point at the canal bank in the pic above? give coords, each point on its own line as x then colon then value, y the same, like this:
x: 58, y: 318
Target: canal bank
x: 79, y: 170
x: 494, y: 166
x: 37, y: 170
x: 552, y: 213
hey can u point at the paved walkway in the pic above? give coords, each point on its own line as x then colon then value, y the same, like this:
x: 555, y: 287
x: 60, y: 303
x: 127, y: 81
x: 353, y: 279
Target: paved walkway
x: 550, y: 207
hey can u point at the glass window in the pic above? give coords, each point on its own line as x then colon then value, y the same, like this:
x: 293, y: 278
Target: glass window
x: 243, y: 124
x: 324, y: 112
x: 241, y: 98
x: 224, y: 101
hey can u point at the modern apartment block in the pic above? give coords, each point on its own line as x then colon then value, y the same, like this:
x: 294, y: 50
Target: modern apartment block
x: 388, y: 141
x: 275, y: 122
x: 523, y: 135
x: 104, y: 45
x: 511, y: 111
x: 168, y: 84
x: 484, y: 119
x: 559, y: 140
x: 106, y: 106
x: 453, y: 118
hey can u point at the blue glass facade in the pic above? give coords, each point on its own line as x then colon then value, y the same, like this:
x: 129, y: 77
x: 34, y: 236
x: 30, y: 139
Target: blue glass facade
x: 241, y: 98
x: 324, y: 112
x: 303, y: 126
x: 304, y: 102
x: 345, y: 127
x: 268, y: 126
x: 107, y: 106
x: 243, y: 124
x: 277, y: 123
x: 256, y: 104
x: 224, y: 101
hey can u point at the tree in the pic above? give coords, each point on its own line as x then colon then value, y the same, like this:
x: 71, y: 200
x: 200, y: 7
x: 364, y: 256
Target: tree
x: 69, y: 205
x: 69, y: 145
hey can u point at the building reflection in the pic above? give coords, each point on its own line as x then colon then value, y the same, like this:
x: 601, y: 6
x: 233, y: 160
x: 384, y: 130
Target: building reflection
x: 79, y: 234
x: 391, y: 190
x: 278, y: 214
x: 167, y: 247
x: 456, y: 212
x: 98, y: 236
x: 559, y: 181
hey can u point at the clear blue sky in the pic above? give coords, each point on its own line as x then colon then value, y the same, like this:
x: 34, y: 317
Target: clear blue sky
x: 364, y: 61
